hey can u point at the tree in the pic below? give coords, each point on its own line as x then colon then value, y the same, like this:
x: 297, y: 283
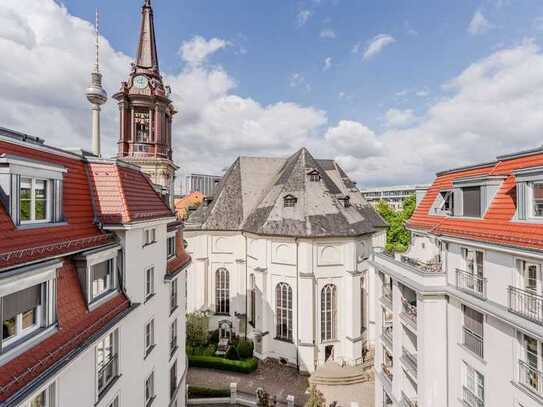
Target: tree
x: 398, y: 237
x: 316, y: 399
x: 197, y: 327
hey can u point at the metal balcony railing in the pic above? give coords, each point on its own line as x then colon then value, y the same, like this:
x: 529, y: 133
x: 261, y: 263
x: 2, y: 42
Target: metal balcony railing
x: 387, y: 334
x: 433, y: 266
x: 471, y: 283
x: 410, y: 361
x: 409, y: 313
x: 471, y: 400
x: 531, y: 378
x: 387, y: 370
x: 473, y: 342
x: 526, y: 303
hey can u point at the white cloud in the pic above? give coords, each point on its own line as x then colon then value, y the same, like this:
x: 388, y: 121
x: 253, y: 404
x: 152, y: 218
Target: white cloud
x: 353, y: 138
x: 423, y: 93
x: 402, y: 92
x: 198, y: 49
x: 303, y: 17
x: 297, y: 80
x: 479, y: 24
x: 376, y: 45
x: 327, y: 64
x: 396, y: 118
x: 328, y: 33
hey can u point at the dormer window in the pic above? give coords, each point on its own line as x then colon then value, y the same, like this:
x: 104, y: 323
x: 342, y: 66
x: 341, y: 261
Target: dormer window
x: 31, y: 191
x: 314, y: 176
x: 289, y: 201
x: 537, y: 199
x: 21, y: 313
x: 102, y: 278
x: 447, y: 203
x: 346, y: 201
x: 471, y: 200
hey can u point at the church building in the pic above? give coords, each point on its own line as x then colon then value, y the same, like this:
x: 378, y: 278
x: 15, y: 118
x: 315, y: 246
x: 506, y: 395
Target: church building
x: 280, y: 255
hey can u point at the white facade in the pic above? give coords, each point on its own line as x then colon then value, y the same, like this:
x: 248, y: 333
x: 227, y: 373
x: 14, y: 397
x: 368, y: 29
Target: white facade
x: 393, y: 195
x: 452, y: 338
x: 299, y: 270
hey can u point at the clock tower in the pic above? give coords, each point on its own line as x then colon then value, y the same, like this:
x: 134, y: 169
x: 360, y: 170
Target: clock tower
x: 146, y: 113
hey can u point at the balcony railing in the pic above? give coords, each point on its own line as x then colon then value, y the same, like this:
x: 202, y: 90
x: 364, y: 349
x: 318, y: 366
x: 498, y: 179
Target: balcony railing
x: 387, y: 334
x: 107, y: 373
x: 531, y: 378
x: 387, y: 370
x: 410, y: 361
x: 471, y: 400
x: 433, y: 266
x: 387, y: 296
x: 526, y: 304
x: 408, y: 401
x: 471, y: 283
x: 473, y: 342
x: 409, y: 313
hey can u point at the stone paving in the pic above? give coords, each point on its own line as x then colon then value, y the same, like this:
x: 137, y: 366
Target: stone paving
x: 278, y: 380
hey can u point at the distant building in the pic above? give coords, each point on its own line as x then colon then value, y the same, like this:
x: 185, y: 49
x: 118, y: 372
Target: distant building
x: 393, y: 195
x: 203, y: 183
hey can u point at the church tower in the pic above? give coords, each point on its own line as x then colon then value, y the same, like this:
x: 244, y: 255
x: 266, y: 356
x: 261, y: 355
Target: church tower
x: 146, y: 113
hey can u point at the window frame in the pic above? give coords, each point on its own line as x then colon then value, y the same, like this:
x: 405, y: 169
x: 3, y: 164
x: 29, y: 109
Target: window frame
x: 480, y: 209
x: 174, y: 338
x: 474, y: 381
x: 222, y: 291
x: 283, y: 312
x: 112, y: 284
x: 171, y: 254
x: 174, y: 296
x: 149, y: 337
x: 149, y: 236
x: 149, y: 284
x: 32, y: 204
x: 290, y: 201
x: 101, y: 366
x: 150, y: 389
x: 531, y: 200
x: 329, y: 313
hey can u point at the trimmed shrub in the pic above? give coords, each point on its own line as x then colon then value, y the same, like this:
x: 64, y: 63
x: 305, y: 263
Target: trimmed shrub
x: 214, y: 336
x: 245, y: 349
x: 215, y: 362
x: 198, y: 392
x: 232, y: 353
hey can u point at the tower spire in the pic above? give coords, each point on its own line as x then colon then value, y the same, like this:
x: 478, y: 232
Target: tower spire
x: 147, y: 56
x: 96, y: 94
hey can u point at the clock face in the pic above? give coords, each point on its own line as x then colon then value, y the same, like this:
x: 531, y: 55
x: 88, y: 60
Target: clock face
x: 140, y: 82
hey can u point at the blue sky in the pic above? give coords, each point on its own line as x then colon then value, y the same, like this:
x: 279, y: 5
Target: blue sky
x: 393, y: 90
x: 269, y: 45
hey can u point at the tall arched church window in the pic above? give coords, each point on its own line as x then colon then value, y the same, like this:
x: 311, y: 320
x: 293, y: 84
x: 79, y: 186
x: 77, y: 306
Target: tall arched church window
x: 283, y: 311
x: 328, y: 312
x: 222, y: 291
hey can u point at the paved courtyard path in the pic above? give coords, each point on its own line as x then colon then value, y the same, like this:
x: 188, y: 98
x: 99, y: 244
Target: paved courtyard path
x: 276, y: 379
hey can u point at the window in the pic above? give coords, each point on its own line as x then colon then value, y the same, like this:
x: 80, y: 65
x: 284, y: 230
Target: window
x: 102, y: 278
x: 537, y: 199
x: 290, y: 201
x: 41, y: 400
x: 530, y: 276
x: 22, y: 313
x: 114, y: 403
x: 283, y: 312
x: 173, y: 296
x: 171, y: 247
x: 531, y: 364
x: 34, y: 201
x: 447, y: 202
x: 328, y: 312
x: 173, y: 379
x: 106, y: 362
x: 149, y: 282
x: 150, y: 389
x: 252, y: 300
x: 471, y: 198
x: 149, y: 336
x: 149, y: 236
x: 473, y: 277
x: 314, y: 176
x: 474, y: 387
x: 362, y: 305
x: 222, y: 291
x: 142, y: 121
x: 346, y: 201
x: 473, y: 331
x: 173, y: 336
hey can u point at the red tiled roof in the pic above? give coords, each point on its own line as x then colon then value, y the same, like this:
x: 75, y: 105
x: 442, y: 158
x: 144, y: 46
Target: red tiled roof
x: 498, y: 224
x: 76, y: 325
x: 124, y: 195
x: 80, y: 232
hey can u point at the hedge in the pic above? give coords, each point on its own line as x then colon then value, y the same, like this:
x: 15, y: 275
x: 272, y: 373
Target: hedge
x: 197, y: 392
x: 215, y: 362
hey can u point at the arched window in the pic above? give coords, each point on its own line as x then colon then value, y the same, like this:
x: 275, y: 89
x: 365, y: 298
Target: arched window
x: 283, y: 311
x: 328, y: 312
x: 289, y: 201
x: 222, y: 291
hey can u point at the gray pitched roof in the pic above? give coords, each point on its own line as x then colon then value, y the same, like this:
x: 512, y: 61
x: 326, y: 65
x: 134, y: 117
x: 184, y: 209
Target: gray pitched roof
x: 251, y: 196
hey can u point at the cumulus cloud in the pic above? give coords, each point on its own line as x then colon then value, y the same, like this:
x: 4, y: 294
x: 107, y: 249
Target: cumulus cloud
x: 375, y: 46
x: 328, y: 33
x: 399, y: 118
x: 198, y: 49
x: 479, y: 24
x: 354, y: 139
x: 303, y: 17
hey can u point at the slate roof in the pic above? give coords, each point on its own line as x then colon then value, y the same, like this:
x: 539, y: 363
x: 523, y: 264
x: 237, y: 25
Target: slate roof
x: 250, y: 198
x: 498, y: 225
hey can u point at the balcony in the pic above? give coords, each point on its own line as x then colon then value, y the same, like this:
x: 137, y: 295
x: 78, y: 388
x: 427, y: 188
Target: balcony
x: 473, y: 342
x: 409, y: 313
x: 386, y: 299
x: 387, y: 370
x: 470, y: 399
x: 433, y: 266
x: 387, y: 334
x: 526, y: 303
x: 408, y: 401
x: 471, y: 283
x: 531, y: 378
x: 409, y: 361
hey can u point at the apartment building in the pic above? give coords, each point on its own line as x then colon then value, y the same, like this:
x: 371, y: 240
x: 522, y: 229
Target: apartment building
x: 393, y: 195
x: 460, y: 314
x: 92, y: 282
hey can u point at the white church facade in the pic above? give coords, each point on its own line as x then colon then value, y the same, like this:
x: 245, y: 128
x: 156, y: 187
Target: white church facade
x: 281, y: 255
